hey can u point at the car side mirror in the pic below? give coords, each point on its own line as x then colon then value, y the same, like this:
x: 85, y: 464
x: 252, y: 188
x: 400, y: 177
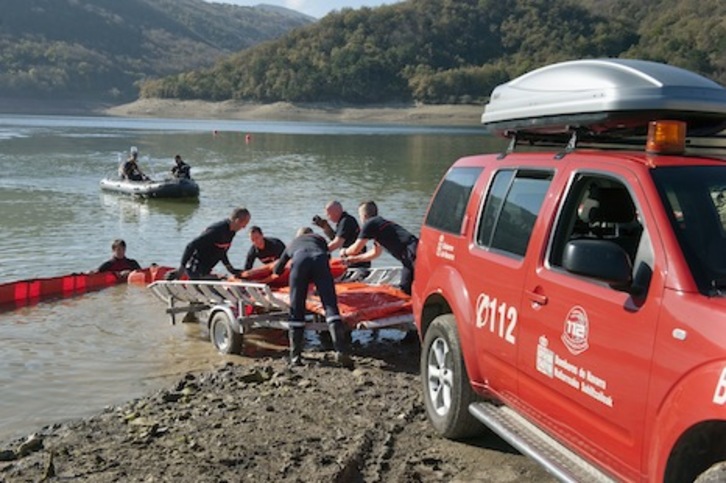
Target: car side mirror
x: 601, y: 259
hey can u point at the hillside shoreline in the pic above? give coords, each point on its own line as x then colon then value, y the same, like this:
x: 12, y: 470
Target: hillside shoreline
x: 410, y: 114
x: 286, y: 111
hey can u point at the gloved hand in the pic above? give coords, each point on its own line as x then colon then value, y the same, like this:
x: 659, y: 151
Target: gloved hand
x: 236, y: 272
x: 171, y: 275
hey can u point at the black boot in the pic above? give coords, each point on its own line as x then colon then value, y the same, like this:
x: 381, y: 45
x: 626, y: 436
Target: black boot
x: 337, y: 334
x: 297, y: 342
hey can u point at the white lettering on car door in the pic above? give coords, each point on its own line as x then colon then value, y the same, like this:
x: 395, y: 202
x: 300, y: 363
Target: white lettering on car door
x: 719, y: 397
x: 500, y: 318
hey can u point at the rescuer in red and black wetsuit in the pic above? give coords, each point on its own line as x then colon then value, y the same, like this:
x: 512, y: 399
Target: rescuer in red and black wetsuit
x: 209, y: 248
x: 264, y: 248
x: 119, y: 263
x: 310, y: 263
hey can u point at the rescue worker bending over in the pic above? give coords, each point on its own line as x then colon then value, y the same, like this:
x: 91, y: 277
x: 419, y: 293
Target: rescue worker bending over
x: 310, y: 263
x: 209, y: 248
x: 393, y: 237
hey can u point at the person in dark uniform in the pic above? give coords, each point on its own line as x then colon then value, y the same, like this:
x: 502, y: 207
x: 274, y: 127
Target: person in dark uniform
x: 181, y: 170
x: 118, y: 263
x: 310, y: 263
x: 209, y: 248
x: 130, y: 169
x: 393, y: 237
x: 346, y: 229
x: 265, y: 249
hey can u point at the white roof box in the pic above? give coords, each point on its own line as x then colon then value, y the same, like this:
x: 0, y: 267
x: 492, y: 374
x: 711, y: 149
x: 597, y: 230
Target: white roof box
x: 605, y: 96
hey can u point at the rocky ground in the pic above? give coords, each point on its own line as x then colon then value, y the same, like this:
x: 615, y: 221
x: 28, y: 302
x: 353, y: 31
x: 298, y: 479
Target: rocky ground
x: 264, y: 422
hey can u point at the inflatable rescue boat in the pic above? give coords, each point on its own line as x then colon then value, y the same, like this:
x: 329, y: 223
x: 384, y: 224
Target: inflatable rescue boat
x: 168, y: 188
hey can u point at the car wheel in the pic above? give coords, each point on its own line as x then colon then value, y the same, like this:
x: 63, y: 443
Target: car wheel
x: 446, y: 387
x: 224, y: 338
x: 715, y: 474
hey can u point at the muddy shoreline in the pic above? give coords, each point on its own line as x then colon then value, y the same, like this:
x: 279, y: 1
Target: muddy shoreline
x: 409, y: 114
x: 268, y: 423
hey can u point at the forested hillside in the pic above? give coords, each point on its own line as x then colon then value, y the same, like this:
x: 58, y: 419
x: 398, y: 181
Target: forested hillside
x: 449, y: 51
x: 101, y: 48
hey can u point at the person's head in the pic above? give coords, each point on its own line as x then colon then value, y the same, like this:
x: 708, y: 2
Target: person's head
x: 367, y: 210
x: 257, y: 238
x: 134, y: 153
x: 119, y: 248
x: 334, y: 210
x: 177, y: 159
x: 239, y: 218
x: 305, y: 230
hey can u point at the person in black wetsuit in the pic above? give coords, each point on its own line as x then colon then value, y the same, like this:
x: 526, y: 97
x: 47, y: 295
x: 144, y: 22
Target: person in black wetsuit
x: 346, y: 230
x: 118, y: 263
x: 209, y: 248
x: 310, y: 263
x: 265, y: 249
x: 181, y: 170
x: 130, y: 169
x: 393, y: 237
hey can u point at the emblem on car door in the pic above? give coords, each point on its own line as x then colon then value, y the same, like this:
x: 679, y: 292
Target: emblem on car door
x: 576, y: 330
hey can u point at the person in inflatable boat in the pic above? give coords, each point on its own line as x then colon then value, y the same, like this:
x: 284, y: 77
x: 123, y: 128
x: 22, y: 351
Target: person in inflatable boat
x: 181, y: 170
x: 130, y: 169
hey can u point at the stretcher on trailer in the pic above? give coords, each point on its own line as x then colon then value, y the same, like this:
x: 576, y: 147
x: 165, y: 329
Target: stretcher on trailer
x: 367, y: 299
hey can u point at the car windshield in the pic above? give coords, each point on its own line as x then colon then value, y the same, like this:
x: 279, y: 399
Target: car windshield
x: 695, y: 198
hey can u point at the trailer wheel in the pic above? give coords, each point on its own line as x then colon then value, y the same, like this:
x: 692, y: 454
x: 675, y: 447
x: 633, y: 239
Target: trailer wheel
x: 446, y: 388
x: 223, y: 336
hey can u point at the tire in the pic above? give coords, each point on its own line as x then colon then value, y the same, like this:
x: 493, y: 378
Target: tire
x: 224, y: 338
x: 446, y: 389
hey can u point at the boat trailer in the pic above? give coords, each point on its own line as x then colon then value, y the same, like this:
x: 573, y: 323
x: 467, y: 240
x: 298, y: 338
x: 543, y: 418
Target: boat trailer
x: 229, y: 309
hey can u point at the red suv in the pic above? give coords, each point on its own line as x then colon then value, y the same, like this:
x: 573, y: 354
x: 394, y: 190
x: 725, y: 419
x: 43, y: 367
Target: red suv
x: 572, y: 298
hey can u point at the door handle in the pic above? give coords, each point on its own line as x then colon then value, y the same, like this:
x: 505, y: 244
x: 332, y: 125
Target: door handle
x: 537, y: 298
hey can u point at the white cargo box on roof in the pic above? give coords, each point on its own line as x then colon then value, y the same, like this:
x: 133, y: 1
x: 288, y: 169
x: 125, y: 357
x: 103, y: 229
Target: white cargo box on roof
x: 605, y: 96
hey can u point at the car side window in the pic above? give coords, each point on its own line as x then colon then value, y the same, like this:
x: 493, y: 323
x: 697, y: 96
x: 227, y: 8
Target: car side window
x: 511, y: 209
x: 601, y: 208
x: 449, y: 204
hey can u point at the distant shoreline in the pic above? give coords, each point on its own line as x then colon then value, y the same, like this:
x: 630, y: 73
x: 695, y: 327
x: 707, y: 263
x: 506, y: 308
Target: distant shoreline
x: 431, y: 115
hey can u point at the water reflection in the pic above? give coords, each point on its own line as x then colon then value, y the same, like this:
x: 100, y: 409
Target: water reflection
x: 135, y: 209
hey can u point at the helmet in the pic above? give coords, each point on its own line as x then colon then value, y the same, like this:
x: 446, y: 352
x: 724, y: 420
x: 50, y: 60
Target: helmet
x: 134, y: 150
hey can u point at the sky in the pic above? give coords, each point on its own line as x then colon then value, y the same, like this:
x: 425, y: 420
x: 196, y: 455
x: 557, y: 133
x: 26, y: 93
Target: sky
x: 314, y: 8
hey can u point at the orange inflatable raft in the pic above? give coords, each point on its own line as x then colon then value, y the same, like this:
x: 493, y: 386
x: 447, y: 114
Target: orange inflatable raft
x: 148, y: 275
x: 263, y: 273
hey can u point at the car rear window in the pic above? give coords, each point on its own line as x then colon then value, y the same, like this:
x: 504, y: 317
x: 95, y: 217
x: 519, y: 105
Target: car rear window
x: 511, y: 209
x: 449, y: 205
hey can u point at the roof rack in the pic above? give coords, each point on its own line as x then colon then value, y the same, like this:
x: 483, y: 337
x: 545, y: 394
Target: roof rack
x: 710, y: 146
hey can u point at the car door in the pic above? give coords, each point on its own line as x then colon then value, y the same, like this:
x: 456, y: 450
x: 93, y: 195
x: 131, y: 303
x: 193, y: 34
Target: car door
x: 496, y: 269
x: 585, y: 347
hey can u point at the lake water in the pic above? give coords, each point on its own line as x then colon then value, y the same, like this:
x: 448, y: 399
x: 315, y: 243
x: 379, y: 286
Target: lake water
x: 69, y: 358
